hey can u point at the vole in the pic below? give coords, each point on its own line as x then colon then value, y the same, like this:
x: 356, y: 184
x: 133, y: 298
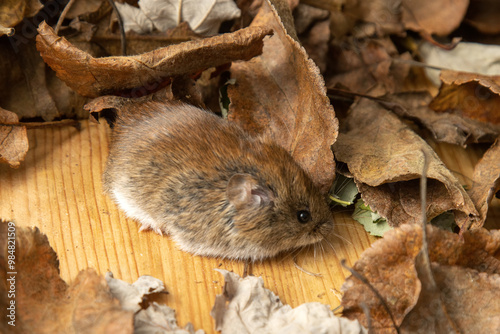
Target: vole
x: 215, y: 189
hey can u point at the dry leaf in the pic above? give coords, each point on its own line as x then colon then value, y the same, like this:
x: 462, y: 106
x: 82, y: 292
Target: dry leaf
x: 466, y: 271
x: 83, y: 7
x: 485, y: 182
x: 23, y: 86
x: 445, y: 127
x: 28, y: 89
x: 470, y: 95
x: 366, y: 18
x: 43, y: 301
x: 93, y: 77
x: 465, y: 57
x: 152, y: 318
x: 12, y: 12
x: 131, y: 295
x: 282, y: 95
x: 462, y: 302
x: 367, y: 66
x: 438, y: 17
x: 385, y: 157
x: 245, y: 306
x: 204, y: 17
x: 160, y: 319
x: 13, y: 139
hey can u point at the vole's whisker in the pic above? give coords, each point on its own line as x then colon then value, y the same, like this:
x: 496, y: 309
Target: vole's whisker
x: 341, y: 238
x: 331, y: 246
x: 304, y: 270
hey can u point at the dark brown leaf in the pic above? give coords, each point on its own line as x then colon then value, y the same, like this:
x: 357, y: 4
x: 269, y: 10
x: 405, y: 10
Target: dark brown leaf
x: 364, y: 18
x: 313, y: 29
x: 367, y: 67
x: 483, y: 15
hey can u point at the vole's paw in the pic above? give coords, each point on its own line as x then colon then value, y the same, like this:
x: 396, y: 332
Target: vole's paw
x: 145, y: 228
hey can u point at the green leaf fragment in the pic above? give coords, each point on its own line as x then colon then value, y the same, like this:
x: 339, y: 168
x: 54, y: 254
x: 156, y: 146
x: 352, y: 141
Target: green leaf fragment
x: 372, y: 221
x: 224, y: 98
x: 343, y: 190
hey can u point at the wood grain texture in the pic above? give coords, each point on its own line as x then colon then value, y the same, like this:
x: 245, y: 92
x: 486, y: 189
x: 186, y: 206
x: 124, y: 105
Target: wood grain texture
x: 58, y: 189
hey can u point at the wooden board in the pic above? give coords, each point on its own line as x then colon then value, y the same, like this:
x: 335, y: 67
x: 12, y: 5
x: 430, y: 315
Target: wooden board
x: 58, y: 189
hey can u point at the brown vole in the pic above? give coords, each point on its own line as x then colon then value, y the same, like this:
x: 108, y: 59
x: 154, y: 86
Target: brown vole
x: 216, y: 190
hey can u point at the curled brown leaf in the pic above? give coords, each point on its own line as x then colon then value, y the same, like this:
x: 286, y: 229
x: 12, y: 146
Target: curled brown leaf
x: 94, y: 77
x: 470, y: 95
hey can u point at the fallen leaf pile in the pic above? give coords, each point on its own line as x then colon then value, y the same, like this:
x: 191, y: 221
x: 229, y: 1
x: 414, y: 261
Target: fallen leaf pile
x: 44, y: 303
x: 386, y: 159
x: 466, y: 271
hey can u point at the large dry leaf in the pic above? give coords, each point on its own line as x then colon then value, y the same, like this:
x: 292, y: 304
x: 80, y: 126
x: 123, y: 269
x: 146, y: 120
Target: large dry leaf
x: 13, y: 12
x: 386, y: 159
x: 438, y: 17
x: 445, y: 127
x: 44, y: 302
x: 245, y: 306
x: 203, y: 16
x: 470, y: 95
x: 93, y: 77
x: 282, y: 95
x: 13, y: 139
x: 485, y: 182
x: 466, y: 271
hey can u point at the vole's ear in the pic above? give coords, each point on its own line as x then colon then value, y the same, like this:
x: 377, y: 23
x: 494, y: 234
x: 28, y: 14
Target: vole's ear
x: 244, y: 192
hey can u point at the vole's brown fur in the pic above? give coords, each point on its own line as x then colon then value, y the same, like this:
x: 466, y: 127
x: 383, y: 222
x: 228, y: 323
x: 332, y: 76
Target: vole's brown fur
x: 216, y: 190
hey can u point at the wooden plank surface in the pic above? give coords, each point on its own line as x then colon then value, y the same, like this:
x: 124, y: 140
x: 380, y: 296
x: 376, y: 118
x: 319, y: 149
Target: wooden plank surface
x: 58, y: 188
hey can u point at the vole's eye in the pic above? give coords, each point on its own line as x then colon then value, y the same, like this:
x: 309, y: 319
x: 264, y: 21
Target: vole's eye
x: 303, y: 216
